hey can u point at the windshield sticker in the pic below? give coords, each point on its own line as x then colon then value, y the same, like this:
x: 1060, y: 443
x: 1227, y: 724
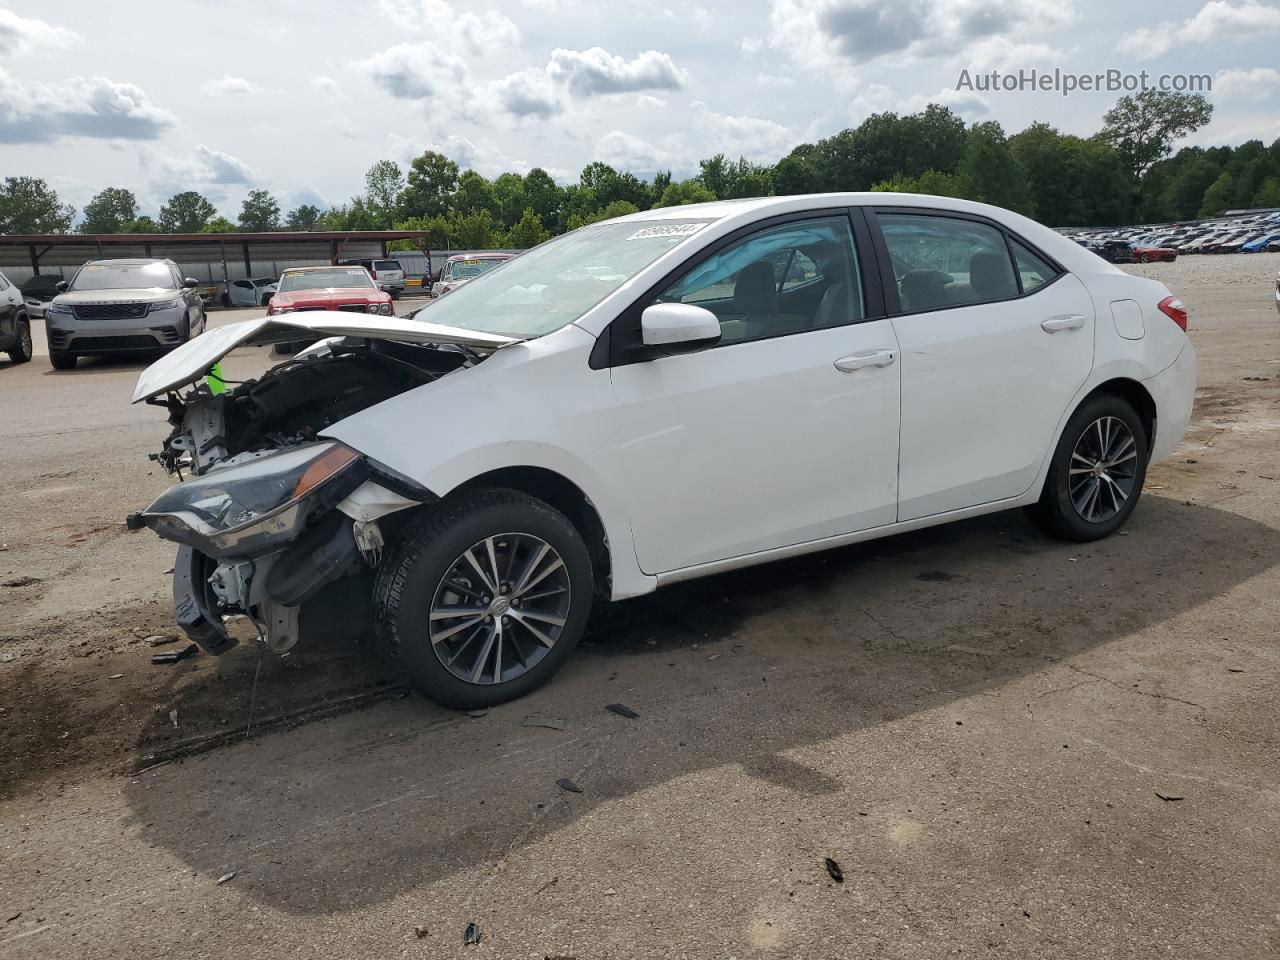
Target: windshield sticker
x: 667, y: 230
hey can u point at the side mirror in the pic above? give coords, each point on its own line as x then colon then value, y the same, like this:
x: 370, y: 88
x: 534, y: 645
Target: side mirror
x: 61, y: 286
x: 191, y: 283
x: 678, y: 328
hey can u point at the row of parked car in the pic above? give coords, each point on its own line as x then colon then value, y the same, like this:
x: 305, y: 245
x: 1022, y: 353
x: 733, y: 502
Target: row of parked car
x: 1257, y: 233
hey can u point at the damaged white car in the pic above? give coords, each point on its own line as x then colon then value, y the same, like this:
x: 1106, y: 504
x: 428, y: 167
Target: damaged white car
x: 650, y: 399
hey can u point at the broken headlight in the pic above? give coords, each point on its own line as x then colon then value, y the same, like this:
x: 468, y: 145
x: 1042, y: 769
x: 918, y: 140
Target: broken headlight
x: 255, y: 506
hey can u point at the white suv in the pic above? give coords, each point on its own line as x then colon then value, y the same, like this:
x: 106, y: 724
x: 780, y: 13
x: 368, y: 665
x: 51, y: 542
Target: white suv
x: 655, y: 398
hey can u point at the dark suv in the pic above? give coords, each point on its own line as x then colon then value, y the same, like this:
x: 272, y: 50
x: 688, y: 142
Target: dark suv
x: 120, y: 306
x: 15, y: 326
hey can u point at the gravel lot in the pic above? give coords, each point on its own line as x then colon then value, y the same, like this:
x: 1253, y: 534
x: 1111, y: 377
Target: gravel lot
x: 1012, y: 746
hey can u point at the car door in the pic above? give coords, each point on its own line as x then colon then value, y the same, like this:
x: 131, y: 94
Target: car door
x: 784, y: 432
x: 10, y: 299
x: 996, y: 340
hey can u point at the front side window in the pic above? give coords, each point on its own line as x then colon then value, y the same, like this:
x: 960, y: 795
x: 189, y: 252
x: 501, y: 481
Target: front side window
x: 941, y: 262
x: 124, y: 276
x: 340, y: 277
x: 791, y: 278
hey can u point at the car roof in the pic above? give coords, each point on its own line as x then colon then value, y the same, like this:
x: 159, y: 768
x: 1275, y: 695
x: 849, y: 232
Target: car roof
x: 480, y: 256
x: 132, y: 261
x: 327, y: 266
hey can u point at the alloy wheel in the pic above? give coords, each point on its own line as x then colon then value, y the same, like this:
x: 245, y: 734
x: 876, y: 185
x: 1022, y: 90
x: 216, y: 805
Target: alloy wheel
x: 500, y: 608
x: 24, y: 341
x: 1103, y: 469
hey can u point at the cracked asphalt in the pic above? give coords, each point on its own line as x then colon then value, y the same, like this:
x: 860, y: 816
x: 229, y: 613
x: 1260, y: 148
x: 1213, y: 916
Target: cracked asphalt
x: 1012, y: 747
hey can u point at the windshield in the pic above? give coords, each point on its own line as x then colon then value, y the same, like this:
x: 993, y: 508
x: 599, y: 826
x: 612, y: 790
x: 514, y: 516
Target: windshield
x: 559, y: 281
x: 466, y: 269
x: 263, y: 281
x: 387, y: 265
x: 293, y: 280
x: 123, y: 276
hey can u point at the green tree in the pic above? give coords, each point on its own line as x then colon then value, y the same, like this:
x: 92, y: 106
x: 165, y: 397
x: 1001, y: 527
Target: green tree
x: 686, y: 191
x: 304, y: 217
x: 143, y: 224
x: 475, y: 193
x: 661, y: 180
x: 30, y: 205
x: 543, y: 194
x: 798, y: 172
x: 1142, y: 128
x: 186, y: 212
x: 528, y: 231
x: 383, y: 184
x: 473, y: 229
x: 260, y: 212
x: 430, y: 185
x: 1186, y: 192
x: 1268, y: 194
x: 508, y: 195
x: 988, y: 171
x: 1219, y: 195
x: 219, y: 224
x: 110, y: 211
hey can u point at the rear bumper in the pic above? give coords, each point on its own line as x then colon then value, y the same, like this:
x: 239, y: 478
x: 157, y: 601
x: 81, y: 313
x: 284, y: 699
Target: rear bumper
x: 1174, y: 391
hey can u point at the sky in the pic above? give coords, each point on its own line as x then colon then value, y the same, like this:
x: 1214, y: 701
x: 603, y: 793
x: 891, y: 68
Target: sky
x: 300, y: 98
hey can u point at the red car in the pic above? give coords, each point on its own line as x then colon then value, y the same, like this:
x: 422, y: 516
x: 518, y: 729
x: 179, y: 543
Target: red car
x: 328, y: 288
x: 1144, y: 254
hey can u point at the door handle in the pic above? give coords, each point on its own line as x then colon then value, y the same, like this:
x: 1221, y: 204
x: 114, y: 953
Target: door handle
x: 1068, y: 321
x: 877, y: 358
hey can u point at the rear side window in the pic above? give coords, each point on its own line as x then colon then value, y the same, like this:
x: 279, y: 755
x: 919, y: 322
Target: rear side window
x: 1033, y: 270
x: 942, y: 262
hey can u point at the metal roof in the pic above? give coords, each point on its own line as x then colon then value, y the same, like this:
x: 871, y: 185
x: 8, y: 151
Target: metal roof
x: 73, y: 249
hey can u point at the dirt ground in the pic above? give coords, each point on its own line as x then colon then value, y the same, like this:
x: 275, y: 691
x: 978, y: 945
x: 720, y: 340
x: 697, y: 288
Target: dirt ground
x: 1012, y: 746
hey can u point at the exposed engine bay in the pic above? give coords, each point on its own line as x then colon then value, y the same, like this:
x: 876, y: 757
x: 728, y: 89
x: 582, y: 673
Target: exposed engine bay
x: 296, y: 400
x: 274, y: 521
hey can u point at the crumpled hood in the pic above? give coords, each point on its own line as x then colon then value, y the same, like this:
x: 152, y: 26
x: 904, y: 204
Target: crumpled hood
x: 192, y: 360
x: 132, y: 295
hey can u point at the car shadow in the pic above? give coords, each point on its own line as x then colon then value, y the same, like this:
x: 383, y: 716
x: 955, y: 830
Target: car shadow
x: 738, y: 669
x: 91, y: 366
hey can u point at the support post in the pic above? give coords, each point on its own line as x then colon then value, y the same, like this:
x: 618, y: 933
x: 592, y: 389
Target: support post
x: 248, y: 268
x: 35, y: 259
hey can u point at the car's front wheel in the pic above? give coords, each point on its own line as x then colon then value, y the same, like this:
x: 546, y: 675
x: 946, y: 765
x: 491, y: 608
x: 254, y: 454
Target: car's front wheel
x: 22, y: 349
x: 1097, y: 471
x: 484, y: 598
x: 62, y: 361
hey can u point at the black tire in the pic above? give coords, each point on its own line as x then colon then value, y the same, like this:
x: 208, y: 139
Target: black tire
x: 265, y: 300
x: 62, y: 361
x: 22, y: 348
x: 414, y: 573
x: 1057, y: 513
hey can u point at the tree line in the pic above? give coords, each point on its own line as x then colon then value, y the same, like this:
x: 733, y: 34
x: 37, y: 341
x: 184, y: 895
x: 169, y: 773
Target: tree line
x: 1126, y: 173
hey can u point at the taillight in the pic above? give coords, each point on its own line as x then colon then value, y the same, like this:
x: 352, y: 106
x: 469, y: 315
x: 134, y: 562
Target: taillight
x: 1174, y: 309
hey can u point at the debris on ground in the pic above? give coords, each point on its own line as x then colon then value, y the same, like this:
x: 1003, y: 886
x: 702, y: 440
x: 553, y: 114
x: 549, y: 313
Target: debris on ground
x: 8, y: 657
x: 116, y: 676
x: 173, y: 717
x: 226, y: 877
x: 13, y: 918
x: 833, y: 868
x: 622, y: 710
x: 160, y: 639
x: 478, y: 713
x: 564, y: 783
x: 20, y: 582
x: 1168, y: 797
x: 472, y: 934
x: 550, y: 883
x: 1235, y: 670
x: 543, y: 720
x: 422, y: 931
x: 173, y: 656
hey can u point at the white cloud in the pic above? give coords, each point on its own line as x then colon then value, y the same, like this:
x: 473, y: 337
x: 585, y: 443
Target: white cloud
x: 203, y: 169
x: 752, y: 137
x: 486, y: 33
x: 1256, y: 84
x: 328, y: 86
x: 821, y: 34
x: 622, y: 151
x: 38, y: 112
x: 587, y: 73
x: 878, y: 98
x: 482, y: 33
x: 750, y: 45
x: 1216, y: 20
x: 773, y: 80
x: 527, y: 93
x: 23, y: 34
x: 416, y: 71
x: 1001, y: 53
x: 647, y: 100
x: 483, y: 156
x: 230, y: 85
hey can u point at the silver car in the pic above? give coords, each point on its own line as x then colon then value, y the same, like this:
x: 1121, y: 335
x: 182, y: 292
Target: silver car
x: 122, y: 306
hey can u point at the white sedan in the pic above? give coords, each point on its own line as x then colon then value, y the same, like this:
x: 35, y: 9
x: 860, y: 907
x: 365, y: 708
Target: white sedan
x: 655, y: 398
x: 254, y: 292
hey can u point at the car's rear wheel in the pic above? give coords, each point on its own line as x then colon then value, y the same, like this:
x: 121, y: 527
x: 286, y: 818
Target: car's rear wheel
x: 485, y: 598
x: 1097, y: 471
x: 60, y: 360
x: 22, y: 348
x: 1144, y: 258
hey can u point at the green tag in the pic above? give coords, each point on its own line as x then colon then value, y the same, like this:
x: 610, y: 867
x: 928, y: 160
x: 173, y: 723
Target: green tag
x: 214, y: 380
